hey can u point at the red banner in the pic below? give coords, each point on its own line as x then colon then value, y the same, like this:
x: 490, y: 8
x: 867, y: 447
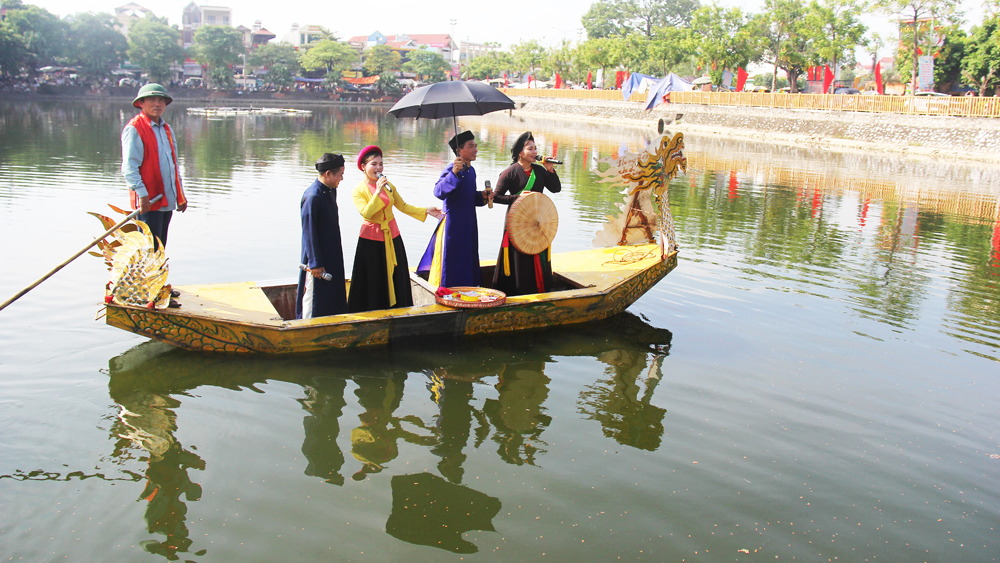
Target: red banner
x: 878, y: 78
x: 741, y: 79
x: 827, y: 78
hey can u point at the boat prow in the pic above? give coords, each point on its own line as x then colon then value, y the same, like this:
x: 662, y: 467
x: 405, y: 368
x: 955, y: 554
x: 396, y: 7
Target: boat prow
x: 249, y: 318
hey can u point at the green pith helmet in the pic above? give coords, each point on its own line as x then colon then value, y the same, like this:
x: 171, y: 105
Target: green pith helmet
x: 152, y: 89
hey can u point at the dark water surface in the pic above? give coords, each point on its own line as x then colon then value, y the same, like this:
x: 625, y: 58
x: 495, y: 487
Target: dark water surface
x: 819, y: 379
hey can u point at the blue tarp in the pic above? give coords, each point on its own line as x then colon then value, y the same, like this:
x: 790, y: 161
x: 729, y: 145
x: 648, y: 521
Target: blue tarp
x: 632, y: 84
x: 671, y: 83
x: 308, y: 80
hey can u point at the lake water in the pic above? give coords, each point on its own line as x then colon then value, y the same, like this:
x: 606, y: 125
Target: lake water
x: 819, y: 379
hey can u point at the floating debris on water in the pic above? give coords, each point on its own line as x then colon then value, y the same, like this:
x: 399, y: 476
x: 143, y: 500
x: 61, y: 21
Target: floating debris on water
x: 223, y: 112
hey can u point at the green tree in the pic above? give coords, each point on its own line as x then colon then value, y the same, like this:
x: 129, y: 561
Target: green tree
x: 388, y: 84
x: 911, y: 12
x: 428, y: 64
x: 607, y: 18
x: 12, y: 51
x: 489, y: 65
x: 628, y: 52
x: 948, y: 64
x: 281, y: 61
x: 527, y: 56
x: 560, y: 59
x: 597, y: 53
x: 650, y: 15
x: 44, y: 35
x: 95, y: 47
x: 779, y: 27
x: 981, y: 66
x: 723, y: 38
x: 381, y: 59
x: 327, y: 54
x: 670, y: 47
x: 836, y: 30
x: 218, y: 48
x: 155, y: 46
x: 620, y: 18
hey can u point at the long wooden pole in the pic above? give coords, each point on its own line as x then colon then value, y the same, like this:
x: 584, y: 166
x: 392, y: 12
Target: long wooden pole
x: 74, y: 257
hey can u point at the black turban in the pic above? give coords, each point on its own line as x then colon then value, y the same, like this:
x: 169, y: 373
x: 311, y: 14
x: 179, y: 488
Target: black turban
x: 459, y: 140
x: 515, y: 152
x: 329, y: 161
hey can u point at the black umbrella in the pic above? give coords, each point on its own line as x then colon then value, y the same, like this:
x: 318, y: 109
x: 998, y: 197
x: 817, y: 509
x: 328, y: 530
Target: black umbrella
x: 451, y: 99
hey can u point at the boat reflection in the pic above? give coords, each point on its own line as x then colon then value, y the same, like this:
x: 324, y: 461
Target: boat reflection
x: 151, y: 381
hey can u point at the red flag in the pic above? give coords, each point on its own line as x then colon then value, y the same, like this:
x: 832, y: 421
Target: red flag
x: 827, y: 78
x: 878, y: 78
x: 741, y: 79
x: 558, y: 81
x: 505, y: 80
x: 589, y: 87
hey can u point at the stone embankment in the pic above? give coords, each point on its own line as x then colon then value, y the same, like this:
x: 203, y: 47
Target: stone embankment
x: 967, y: 138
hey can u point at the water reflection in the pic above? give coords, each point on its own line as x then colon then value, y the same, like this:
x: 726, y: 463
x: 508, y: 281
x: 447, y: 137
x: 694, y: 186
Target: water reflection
x: 427, y: 509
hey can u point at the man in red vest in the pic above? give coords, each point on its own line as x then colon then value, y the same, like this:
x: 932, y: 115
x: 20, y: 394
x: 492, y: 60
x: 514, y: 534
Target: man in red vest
x: 149, y: 162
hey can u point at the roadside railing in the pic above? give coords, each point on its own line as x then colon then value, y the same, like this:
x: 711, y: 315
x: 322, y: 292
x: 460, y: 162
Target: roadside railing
x: 964, y: 106
x: 615, y: 95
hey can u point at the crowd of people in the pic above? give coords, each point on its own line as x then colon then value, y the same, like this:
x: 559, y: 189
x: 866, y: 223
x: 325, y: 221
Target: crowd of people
x: 380, y: 276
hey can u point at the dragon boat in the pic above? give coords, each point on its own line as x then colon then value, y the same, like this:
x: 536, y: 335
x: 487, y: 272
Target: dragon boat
x: 248, y: 317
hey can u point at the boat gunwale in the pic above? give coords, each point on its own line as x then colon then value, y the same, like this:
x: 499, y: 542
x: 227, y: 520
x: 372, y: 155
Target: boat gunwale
x: 512, y: 302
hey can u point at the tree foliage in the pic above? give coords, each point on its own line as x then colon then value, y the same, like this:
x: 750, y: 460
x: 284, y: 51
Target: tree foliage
x: 281, y: 61
x: 381, y: 59
x: 621, y: 18
x: 981, y: 66
x: 329, y: 55
x: 723, y: 38
x: 43, y: 35
x: 218, y: 48
x: 12, y: 51
x: 941, y: 11
x: 95, y: 47
x: 489, y: 65
x: 428, y: 64
x: 155, y: 46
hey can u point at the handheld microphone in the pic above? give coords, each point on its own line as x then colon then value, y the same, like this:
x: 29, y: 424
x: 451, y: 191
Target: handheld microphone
x: 388, y: 188
x: 549, y: 159
x: 489, y: 200
x: 326, y: 275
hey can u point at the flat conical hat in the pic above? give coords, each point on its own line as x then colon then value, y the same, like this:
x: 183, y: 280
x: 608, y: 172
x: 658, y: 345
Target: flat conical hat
x: 532, y: 222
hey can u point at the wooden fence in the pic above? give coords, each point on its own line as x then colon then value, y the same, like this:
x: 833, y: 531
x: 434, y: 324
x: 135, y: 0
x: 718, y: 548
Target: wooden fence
x: 965, y: 106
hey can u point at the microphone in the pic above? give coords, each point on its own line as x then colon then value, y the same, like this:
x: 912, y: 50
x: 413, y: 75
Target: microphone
x: 549, y: 159
x: 489, y: 200
x: 388, y: 188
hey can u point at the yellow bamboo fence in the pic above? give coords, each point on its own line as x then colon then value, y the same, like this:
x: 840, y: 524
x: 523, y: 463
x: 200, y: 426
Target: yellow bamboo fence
x: 964, y: 106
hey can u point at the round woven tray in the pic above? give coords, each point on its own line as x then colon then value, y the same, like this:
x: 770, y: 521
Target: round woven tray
x: 484, y: 297
x: 532, y: 222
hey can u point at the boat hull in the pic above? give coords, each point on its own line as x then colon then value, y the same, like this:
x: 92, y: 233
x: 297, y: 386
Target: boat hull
x: 250, y: 326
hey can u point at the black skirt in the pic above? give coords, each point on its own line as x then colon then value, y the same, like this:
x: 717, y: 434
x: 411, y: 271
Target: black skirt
x: 369, y: 283
x: 524, y: 272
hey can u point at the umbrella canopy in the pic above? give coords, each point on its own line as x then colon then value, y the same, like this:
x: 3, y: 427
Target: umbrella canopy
x: 451, y: 99
x: 702, y: 80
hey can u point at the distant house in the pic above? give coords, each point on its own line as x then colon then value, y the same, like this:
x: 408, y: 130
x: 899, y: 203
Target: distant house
x: 303, y: 34
x: 129, y: 14
x: 469, y: 50
x: 440, y: 43
x: 255, y: 37
x: 195, y: 16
